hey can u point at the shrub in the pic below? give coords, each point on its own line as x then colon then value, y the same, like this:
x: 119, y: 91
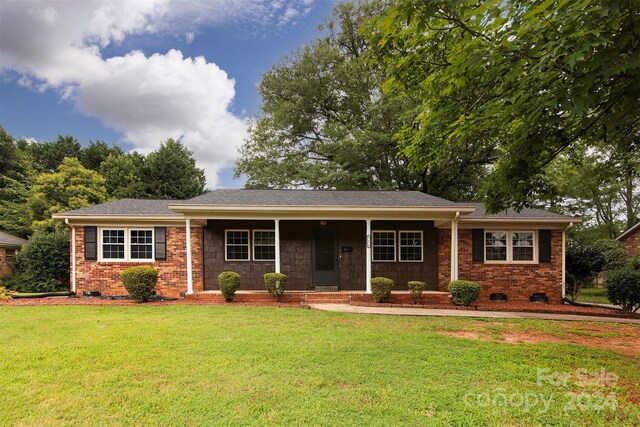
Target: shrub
x: 416, y: 288
x: 139, y: 282
x: 42, y: 265
x: 623, y: 288
x: 381, y: 288
x: 4, y: 294
x: 275, y: 284
x: 229, y: 283
x: 464, y: 292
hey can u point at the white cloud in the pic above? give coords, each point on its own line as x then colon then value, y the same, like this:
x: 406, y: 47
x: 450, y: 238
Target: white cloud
x: 59, y: 44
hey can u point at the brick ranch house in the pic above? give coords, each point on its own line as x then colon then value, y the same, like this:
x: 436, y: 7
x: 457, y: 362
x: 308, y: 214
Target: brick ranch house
x: 322, y: 240
x: 9, y: 247
x: 631, y: 239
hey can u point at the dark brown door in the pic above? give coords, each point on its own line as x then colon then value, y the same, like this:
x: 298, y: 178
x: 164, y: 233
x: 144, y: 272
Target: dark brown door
x: 325, y: 257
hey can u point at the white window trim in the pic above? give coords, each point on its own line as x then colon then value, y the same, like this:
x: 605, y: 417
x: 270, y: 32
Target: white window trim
x: 127, y: 245
x: 253, y: 245
x: 248, y: 245
x: 400, y: 246
x: 373, y: 245
x: 509, y: 259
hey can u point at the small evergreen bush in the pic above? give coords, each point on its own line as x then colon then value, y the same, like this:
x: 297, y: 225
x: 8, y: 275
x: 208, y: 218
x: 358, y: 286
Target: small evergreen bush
x: 416, y: 288
x: 623, y: 288
x: 381, y: 288
x: 275, y: 284
x: 229, y: 283
x: 140, y: 282
x: 464, y: 292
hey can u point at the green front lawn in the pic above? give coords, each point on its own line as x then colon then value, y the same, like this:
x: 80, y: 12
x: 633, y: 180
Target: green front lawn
x: 593, y: 295
x: 217, y: 365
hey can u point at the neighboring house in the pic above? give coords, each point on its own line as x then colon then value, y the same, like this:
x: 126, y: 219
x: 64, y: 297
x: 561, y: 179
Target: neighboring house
x: 631, y: 239
x: 322, y: 240
x: 9, y: 247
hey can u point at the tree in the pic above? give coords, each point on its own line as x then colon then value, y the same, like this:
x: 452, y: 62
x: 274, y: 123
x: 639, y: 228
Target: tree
x: 535, y: 78
x: 72, y: 186
x: 15, y: 180
x: 122, y: 175
x: 47, y: 156
x: 326, y: 123
x: 97, y: 152
x: 171, y: 172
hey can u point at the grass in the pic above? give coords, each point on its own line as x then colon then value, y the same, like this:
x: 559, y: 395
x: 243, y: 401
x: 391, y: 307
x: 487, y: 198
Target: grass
x: 217, y: 365
x: 594, y: 295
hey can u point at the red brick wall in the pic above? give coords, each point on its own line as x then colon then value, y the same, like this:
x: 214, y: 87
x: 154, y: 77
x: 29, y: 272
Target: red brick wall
x: 4, y: 261
x: 632, y: 242
x: 518, y: 281
x: 172, y: 278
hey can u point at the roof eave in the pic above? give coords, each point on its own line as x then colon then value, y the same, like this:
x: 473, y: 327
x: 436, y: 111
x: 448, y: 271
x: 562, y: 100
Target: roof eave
x: 201, y: 208
x: 521, y: 219
x: 628, y: 232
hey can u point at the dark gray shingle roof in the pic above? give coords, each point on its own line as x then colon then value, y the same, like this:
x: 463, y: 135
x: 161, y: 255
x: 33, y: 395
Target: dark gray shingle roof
x: 511, y: 213
x: 11, y: 241
x: 228, y: 197
x: 128, y: 207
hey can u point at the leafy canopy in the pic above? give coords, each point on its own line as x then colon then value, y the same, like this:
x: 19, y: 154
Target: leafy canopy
x: 532, y: 77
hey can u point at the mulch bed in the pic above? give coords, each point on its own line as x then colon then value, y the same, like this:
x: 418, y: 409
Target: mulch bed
x: 124, y: 302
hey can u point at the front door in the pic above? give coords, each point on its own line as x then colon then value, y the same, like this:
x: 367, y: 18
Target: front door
x: 325, y: 257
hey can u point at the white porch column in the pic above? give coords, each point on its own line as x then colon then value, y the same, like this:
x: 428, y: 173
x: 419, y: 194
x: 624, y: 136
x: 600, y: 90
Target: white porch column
x: 277, y: 231
x: 73, y: 258
x: 189, y: 267
x: 368, y: 244
x: 454, y: 247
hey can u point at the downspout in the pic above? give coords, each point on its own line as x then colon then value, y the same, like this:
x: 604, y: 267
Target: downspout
x: 73, y: 255
x: 564, y: 261
x: 454, y: 246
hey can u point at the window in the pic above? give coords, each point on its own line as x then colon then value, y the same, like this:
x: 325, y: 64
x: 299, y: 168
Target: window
x: 113, y: 245
x: 410, y: 245
x: 264, y: 245
x: 384, y: 246
x: 522, y: 242
x: 141, y: 244
x: 237, y: 245
x: 510, y: 246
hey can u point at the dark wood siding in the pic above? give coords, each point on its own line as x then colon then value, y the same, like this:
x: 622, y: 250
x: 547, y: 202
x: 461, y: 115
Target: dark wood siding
x: 295, y: 254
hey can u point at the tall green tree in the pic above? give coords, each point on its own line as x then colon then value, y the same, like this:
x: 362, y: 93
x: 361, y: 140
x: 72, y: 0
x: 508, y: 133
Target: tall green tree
x: 171, y: 172
x: 71, y: 186
x: 123, y: 176
x: 97, y: 152
x: 534, y: 77
x: 326, y: 123
x: 47, y: 156
x: 15, y: 182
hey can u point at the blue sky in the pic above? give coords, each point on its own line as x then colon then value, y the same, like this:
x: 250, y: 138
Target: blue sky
x: 125, y: 72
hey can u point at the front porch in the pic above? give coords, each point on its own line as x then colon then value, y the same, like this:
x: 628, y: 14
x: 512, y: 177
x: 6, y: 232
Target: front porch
x: 302, y: 297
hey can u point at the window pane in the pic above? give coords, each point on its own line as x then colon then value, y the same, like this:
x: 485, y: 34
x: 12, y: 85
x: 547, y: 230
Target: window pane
x: 113, y: 244
x: 384, y: 246
x: 265, y: 253
x: 264, y: 238
x: 238, y: 245
x: 496, y: 246
x: 522, y: 246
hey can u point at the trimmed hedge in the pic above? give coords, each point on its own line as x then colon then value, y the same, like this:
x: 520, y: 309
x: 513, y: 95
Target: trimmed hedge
x: 229, y: 282
x: 381, y: 288
x: 623, y: 288
x: 416, y: 288
x: 140, y: 282
x: 463, y: 292
x: 275, y: 284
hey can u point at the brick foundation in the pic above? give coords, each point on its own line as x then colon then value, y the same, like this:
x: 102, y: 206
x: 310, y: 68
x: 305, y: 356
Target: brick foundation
x: 172, y: 278
x: 517, y: 281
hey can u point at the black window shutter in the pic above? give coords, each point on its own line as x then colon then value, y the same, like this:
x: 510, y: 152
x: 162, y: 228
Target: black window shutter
x: 90, y: 242
x: 544, y: 245
x: 160, y: 240
x: 478, y: 244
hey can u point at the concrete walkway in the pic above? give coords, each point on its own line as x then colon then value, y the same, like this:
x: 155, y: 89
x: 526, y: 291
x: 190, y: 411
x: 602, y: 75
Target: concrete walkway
x: 401, y: 311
